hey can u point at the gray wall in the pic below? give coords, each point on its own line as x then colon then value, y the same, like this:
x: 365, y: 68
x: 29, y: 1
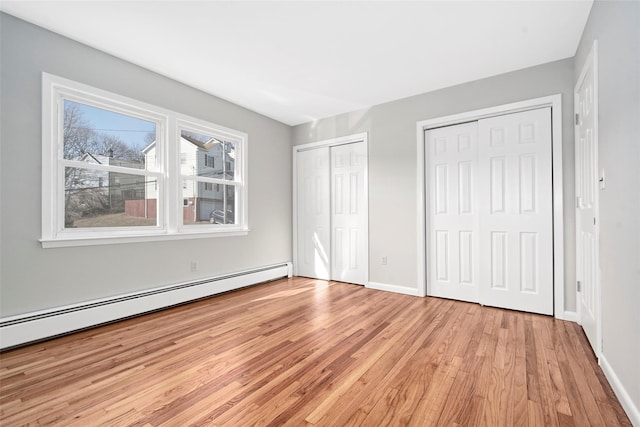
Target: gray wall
x: 393, y: 216
x: 616, y: 26
x: 33, y: 278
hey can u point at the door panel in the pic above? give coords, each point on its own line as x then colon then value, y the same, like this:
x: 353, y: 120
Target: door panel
x: 349, y: 245
x: 451, y: 158
x: 515, y: 216
x: 313, y: 213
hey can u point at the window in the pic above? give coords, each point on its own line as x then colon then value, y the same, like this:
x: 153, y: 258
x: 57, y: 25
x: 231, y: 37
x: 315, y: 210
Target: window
x: 202, y: 145
x: 112, y: 170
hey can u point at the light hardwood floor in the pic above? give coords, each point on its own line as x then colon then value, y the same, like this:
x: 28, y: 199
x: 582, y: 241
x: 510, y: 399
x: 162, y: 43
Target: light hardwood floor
x: 309, y: 352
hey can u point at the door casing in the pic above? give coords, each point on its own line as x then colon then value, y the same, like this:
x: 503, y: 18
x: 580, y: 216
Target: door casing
x: 553, y: 101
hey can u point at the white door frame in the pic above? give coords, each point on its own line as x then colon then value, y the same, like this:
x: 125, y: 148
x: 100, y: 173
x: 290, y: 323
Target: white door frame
x: 553, y: 101
x: 349, y: 139
x: 592, y: 60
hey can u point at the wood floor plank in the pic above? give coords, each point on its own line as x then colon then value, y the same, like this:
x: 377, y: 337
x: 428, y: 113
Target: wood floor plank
x: 549, y: 396
x: 555, y: 376
x: 505, y: 409
x: 491, y: 413
x: 309, y: 352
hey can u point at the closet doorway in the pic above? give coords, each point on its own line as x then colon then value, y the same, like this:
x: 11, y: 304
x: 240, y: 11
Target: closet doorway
x: 331, y: 210
x: 490, y: 211
x: 492, y: 206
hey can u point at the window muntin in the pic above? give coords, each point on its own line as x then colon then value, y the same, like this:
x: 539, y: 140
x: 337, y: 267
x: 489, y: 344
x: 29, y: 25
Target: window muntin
x: 112, y: 177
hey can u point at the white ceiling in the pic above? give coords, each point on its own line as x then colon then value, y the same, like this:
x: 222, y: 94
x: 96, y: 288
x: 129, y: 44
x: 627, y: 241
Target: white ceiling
x: 297, y: 61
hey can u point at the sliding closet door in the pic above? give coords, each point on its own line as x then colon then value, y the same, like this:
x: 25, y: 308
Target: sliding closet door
x: 349, y: 246
x: 453, y: 215
x: 516, y: 229
x: 332, y: 213
x: 313, y: 213
x: 490, y: 211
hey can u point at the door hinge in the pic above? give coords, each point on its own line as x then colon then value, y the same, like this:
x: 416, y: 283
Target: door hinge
x: 577, y: 119
x: 579, y: 286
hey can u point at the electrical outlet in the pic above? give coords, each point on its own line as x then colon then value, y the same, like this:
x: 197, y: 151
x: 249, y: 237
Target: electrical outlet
x: 194, y: 266
x: 383, y: 261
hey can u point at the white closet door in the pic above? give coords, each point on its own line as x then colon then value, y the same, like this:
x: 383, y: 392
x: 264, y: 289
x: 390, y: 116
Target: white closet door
x: 313, y: 213
x: 516, y: 241
x: 349, y: 243
x: 452, y: 182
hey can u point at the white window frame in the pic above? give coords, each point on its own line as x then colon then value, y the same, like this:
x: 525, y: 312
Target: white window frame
x: 168, y: 180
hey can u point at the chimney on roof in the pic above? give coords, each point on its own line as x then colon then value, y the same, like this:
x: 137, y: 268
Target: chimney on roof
x: 110, y: 152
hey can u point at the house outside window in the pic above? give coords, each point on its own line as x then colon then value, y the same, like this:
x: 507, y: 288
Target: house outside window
x: 111, y: 168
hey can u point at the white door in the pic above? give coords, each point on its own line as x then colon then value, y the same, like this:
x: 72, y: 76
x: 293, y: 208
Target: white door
x: 516, y: 229
x: 490, y: 211
x: 349, y: 247
x: 587, y: 202
x: 313, y: 213
x: 453, y: 254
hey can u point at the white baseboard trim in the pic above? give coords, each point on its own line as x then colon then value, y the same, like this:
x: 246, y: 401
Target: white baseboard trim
x: 394, y: 288
x: 34, y: 326
x: 571, y: 316
x: 618, y: 388
x: 289, y: 270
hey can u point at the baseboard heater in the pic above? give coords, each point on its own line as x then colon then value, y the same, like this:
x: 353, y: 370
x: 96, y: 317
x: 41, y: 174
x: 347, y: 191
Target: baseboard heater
x: 35, y: 326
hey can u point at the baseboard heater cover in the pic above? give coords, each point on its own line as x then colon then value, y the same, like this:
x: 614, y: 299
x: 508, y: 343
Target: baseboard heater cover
x: 29, y: 327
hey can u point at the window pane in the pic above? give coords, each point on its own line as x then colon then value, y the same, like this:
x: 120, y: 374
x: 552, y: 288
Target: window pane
x: 205, y: 155
x: 99, y: 136
x: 94, y: 198
x: 206, y: 203
x: 230, y: 159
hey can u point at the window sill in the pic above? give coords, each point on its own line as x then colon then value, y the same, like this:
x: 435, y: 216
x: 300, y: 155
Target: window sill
x: 70, y: 241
